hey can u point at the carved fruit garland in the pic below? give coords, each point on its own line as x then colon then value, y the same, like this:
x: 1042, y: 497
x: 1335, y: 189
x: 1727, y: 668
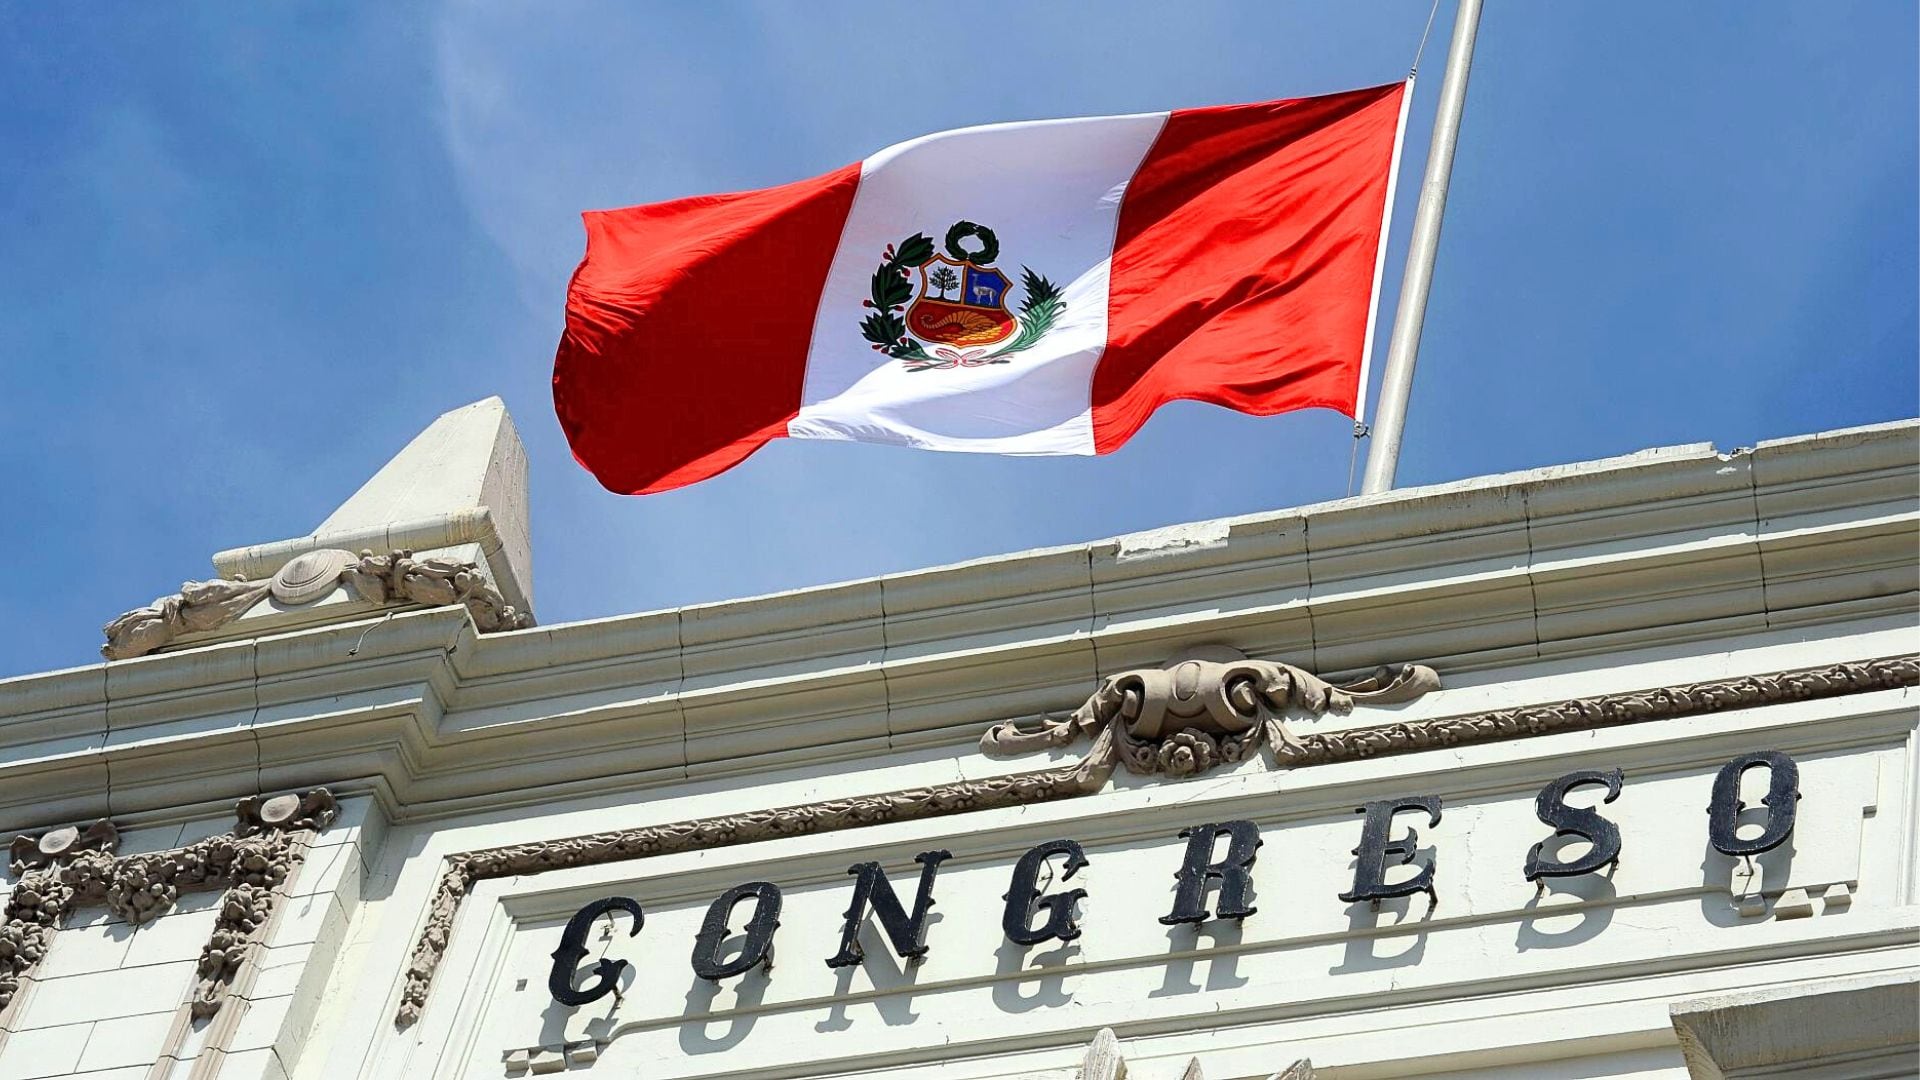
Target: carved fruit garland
x: 63, y: 869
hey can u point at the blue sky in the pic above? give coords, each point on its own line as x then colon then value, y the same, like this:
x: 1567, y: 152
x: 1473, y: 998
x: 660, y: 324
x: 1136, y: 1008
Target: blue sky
x: 246, y: 252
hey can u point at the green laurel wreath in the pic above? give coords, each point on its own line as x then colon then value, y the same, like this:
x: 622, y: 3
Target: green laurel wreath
x: 989, y: 243
x: 1038, y: 312
x: 891, y: 289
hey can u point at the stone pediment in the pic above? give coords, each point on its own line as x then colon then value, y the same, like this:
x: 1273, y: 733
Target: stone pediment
x: 444, y: 522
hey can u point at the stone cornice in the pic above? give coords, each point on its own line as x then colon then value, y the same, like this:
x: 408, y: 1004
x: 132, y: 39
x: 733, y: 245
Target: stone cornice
x: 1654, y: 550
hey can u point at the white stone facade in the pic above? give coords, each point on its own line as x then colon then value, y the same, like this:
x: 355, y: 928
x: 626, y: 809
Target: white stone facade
x: 1661, y: 614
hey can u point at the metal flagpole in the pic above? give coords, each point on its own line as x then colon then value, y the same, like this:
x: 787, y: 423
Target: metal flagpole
x: 1390, y: 415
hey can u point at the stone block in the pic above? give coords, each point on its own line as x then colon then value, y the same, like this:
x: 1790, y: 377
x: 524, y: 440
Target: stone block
x: 952, y: 699
x: 177, y: 935
x: 127, y: 1041
x: 104, y: 995
x: 264, y: 1024
x: 261, y: 1064
x: 304, y: 920
x: 330, y: 871
x: 1358, y: 548
x: 82, y: 947
x: 48, y: 1051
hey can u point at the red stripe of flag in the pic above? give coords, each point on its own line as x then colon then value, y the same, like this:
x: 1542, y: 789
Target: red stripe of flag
x: 680, y: 358
x: 1243, y: 263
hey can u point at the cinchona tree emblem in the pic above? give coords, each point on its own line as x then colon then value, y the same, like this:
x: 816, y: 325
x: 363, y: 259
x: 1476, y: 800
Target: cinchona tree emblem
x: 957, y: 316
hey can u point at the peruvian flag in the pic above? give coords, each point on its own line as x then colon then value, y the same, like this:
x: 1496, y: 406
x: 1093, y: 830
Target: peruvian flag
x: 1028, y: 288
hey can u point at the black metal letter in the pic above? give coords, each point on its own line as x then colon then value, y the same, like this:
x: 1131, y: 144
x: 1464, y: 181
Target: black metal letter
x: 1781, y: 801
x: 873, y: 888
x: 1551, y: 808
x: 760, y: 928
x: 1235, y: 872
x: 573, y: 949
x: 1023, y: 896
x: 1370, y: 867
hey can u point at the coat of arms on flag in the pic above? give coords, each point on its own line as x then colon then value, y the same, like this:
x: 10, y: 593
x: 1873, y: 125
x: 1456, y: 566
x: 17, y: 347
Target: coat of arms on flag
x: 958, y: 317
x: 1227, y: 254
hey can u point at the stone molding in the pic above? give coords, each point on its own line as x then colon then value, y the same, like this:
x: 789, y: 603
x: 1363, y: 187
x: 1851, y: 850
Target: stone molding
x: 1104, y: 1061
x: 1091, y: 773
x: 1208, y: 708
x: 471, y: 526
x: 253, y: 863
x: 394, y: 578
x: 1839, y: 1027
x: 1605, y: 710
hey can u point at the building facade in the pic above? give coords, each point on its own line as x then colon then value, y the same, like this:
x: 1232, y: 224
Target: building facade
x: 1606, y: 770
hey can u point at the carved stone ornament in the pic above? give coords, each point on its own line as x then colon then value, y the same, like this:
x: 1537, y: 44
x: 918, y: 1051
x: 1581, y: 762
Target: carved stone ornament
x: 1091, y: 773
x: 396, y: 577
x: 66, y: 868
x: 198, y: 606
x: 1212, y: 707
x: 40, y: 852
x: 313, y: 811
x: 308, y: 577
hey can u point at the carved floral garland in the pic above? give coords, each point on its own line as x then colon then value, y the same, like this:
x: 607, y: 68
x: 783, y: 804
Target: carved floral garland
x: 1275, y: 690
x: 56, y: 874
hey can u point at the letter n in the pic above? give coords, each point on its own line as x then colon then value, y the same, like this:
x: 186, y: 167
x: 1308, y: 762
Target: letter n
x: 871, y: 889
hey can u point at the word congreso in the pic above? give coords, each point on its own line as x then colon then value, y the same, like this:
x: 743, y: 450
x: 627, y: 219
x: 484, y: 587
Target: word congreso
x: 1056, y: 912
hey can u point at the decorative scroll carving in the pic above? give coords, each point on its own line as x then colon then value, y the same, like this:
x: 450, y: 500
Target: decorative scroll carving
x: 1097, y: 767
x: 726, y: 830
x: 269, y: 840
x: 396, y: 577
x: 1205, y: 709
